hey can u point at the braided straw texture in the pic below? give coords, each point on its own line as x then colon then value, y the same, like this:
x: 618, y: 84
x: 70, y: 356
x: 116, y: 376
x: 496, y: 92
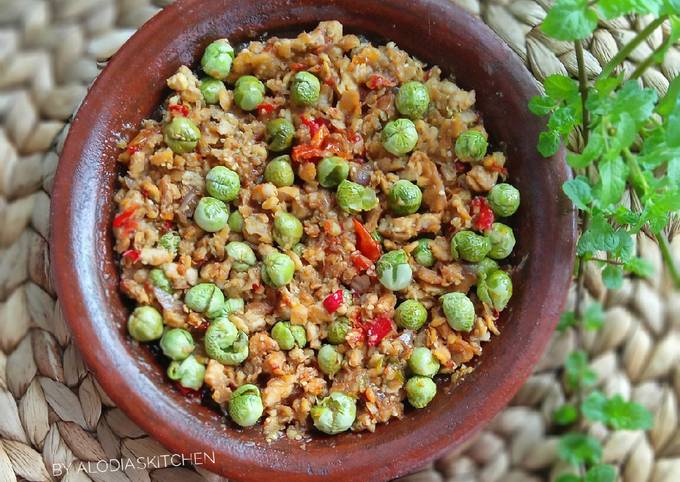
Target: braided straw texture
x: 52, y: 411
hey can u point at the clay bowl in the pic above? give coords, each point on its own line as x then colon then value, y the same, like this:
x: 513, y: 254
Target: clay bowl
x: 130, y: 89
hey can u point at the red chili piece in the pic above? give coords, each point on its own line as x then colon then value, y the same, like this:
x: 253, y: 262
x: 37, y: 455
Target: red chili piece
x: 461, y: 167
x: 377, y: 330
x: 484, y: 215
x: 377, y: 81
x: 314, y: 124
x: 265, y: 108
x: 122, y: 219
x: 333, y: 301
x: 179, y: 109
x: 132, y: 254
x: 368, y: 246
x: 296, y: 67
x: 132, y: 148
x: 361, y: 262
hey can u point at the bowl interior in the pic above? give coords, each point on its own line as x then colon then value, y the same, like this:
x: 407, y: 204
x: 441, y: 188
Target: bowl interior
x: 131, y: 88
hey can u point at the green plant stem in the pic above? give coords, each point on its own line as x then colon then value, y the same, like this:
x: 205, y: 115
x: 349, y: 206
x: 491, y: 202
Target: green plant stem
x: 648, y: 62
x: 641, y: 187
x: 583, y: 88
x: 630, y: 46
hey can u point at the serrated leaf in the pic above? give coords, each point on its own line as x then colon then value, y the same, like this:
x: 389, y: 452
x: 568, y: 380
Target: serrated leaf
x: 578, y: 373
x: 657, y: 208
x: 625, y: 249
x: 623, y: 415
x: 542, y: 105
x: 612, y: 183
x: 578, y: 190
x: 626, y: 131
x: 640, y: 267
x: 577, y: 449
x: 565, y: 414
x: 570, y: 20
x: 593, y: 317
x: 601, y: 473
x: 612, y: 277
x: 567, y: 319
x: 592, y: 151
x: 600, y: 236
x: 623, y: 215
x: 635, y: 101
x: 562, y: 120
x: 548, y: 143
x: 593, y: 407
x: 617, y: 8
x: 560, y: 87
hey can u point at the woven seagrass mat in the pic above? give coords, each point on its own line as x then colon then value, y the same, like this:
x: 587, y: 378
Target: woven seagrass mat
x: 52, y: 412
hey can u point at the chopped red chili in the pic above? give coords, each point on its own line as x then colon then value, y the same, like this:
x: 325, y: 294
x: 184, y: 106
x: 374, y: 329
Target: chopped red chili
x: 296, y: 67
x: 265, y: 108
x: 461, y: 167
x: 484, y: 217
x: 314, y: 124
x: 132, y: 254
x: 368, y: 246
x: 377, y: 81
x: 499, y: 169
x: 333, y: 301
x: 167, y: 225
x: 377, y: 330
x: 361, y: 262
x: 179, y: 109
x: 132, y: 148
x: 120, y: 220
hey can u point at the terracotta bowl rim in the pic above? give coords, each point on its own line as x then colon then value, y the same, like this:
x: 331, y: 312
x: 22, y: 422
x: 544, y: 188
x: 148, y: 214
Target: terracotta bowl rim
x: 72, y: 175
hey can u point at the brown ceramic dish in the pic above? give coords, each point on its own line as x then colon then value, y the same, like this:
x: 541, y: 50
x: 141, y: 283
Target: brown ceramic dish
x: 131, y: 88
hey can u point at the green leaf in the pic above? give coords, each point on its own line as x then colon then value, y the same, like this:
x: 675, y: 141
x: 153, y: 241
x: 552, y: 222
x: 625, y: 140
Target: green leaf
x: 625, y: 249
x: 592, y: 151
x: 542, y: 105
x: 570, y: 20
x: 601, y: 473
x: 593, y: 318
x: 623, y: 215
x: 617, y: 8
x: 548, y: 143
x: 562, y: 120
x: 578, y: 190
x: 565, y: 414
x: 568, y: 478
x: 626, y: 131
x: 612, y: 183
x: 658, y: 208
x: 640, y: 267
x: 578, y: 373
x: 567, y: 319
x: 673, y: 170
x: 612, y: 276
x: 669, y: 101
x: 623, y: 415
x: 635, y: 101
x: 600, y: 236
x: 593, y: 407
x: 578, y: 449
x: 673, y: 126
x: 560, y: 87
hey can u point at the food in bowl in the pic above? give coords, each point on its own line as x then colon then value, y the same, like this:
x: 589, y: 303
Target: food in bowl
x: 309, y: 232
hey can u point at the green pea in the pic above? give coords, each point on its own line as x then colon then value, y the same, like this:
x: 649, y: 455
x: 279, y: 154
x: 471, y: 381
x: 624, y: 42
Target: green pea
x: 354, y: 198
x: 287, y: 230
x: 334, y: 414
x: 181, y: 135
x: 485, y: 266
x: 288, y: 336
x: 331, y: 171
x: 235, y: 222
x: 224, y: 343
x: 299, y: 249
x: 411, y: 314
x: 470, y: 246
x: 170, y: 241
x: 245, y: 405
x: 242, y: 256
x: 210, y: 89
x: 329, y: 360
x: 393, y: 270
x: 177, y: 344
x: 277, y: 269
x: 420, y: 391
x: 280, y: 134
x: 471, y: 146
x: 233, y: 305
x: 145, y: 324
x: 217, y: 59
x: 423, y: 253
x: 249, y: 93
x: 337, y: 333
x: 412, y: 99
x: 399, y: 137
x: 503, y: 199
x: 222, y: 183
x: 422, y: 362
x: 459, y: 311
x: 279, y: 172
x: 404, y: 198
x: 211, y: 214
x: 205, y: 298
x: 188, y: 372
x: 305, y: 88
x: 502, y: 240
x: 159, y: 280
x: 495, y: 289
